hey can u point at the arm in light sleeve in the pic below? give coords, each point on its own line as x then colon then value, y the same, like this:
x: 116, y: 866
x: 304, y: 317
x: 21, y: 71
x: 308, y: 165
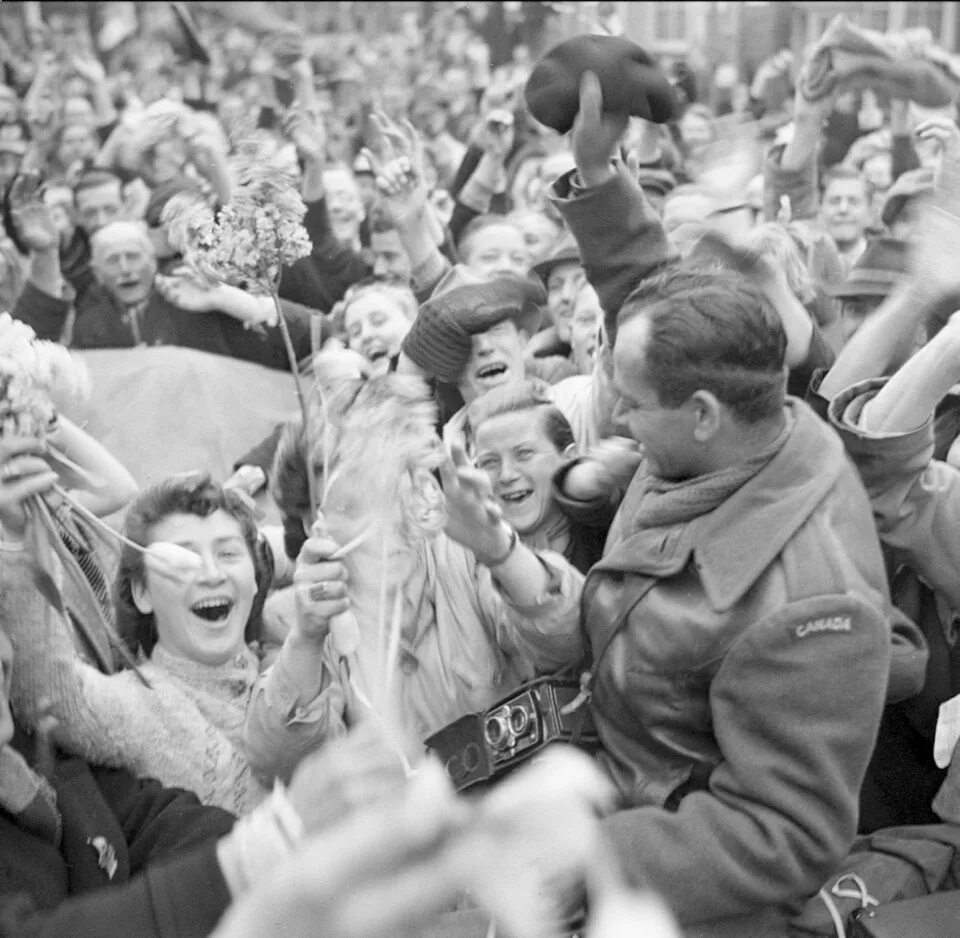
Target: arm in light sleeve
x: 915, y: 498
x: 281, y: 726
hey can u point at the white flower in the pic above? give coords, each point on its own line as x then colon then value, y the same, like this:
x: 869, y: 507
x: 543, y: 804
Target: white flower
x: 172, y: 561
x: 36, y: 378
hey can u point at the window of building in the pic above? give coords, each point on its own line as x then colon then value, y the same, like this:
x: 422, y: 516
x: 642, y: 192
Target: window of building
x: 670, y: 23
x: 875, y: 16
x: 925, y: 14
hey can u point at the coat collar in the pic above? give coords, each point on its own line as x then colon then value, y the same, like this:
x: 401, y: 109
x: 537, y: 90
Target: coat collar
x: 734, y: 544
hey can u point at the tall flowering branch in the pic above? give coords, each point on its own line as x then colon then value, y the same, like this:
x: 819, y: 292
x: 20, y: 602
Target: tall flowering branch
x: 249, y: 241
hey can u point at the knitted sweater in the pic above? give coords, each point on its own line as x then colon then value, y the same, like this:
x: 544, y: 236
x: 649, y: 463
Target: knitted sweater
x: 184, y: 730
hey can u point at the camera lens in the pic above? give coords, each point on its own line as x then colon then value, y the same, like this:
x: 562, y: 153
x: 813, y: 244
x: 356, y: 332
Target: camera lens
x: 519, y: 721
x: 497, y: 731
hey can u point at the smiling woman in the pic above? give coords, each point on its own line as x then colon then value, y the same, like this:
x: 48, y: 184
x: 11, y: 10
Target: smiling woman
x: 521, y: 440
x: 376, y: 317
x: 190, y: 628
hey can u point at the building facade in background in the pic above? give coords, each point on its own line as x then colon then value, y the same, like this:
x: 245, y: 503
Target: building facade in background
x: 707, y: 34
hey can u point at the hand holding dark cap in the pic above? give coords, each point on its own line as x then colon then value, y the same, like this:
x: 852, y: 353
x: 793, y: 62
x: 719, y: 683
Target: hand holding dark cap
x: 631, y: 82
x: 591, y: 85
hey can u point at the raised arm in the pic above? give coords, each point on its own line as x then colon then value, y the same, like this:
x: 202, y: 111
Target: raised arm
x: 43, y: 304
x: 91, y: 70
x: 791, y: 171
x: 105, y: 486
x: 887, y: 427
x: 96, y: 714
x: 908, y: 399
x: 533, y: 597
x: 889, y: 335
x: 297, y: 705
x: 620, y: 237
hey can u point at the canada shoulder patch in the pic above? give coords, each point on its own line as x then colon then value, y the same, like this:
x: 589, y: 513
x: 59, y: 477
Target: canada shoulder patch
x: 823, y: 624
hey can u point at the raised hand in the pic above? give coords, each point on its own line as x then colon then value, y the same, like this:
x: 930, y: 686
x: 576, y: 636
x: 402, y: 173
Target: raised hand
x: 473, y: 517
x: 23, y: 474
x: 595, y: 134
x: 403, y: 193
x: 320, y: 587
x: 34, y: 221
x: 934, y: 251
x: 398, y: 139
x: 188, y: 293
x: 945, y: 131
x: 617, y: 458
x: 355, y: 772
x: 496, y: 134
x: 381, y: 873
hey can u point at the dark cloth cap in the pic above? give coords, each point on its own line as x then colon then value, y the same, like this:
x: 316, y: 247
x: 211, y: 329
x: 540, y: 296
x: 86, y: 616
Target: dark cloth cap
x: 630, y: 79
x: 564, y: 252
x: 439, y: 341
x: 876, y: 272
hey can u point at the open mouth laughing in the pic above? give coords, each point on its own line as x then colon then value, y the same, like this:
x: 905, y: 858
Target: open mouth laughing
x: 377, y: 352
x: 491, y: 372
x: 517, y: 498
x: 213, y: 608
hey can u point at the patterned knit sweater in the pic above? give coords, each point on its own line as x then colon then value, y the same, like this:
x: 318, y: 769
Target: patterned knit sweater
x: 184, y: 730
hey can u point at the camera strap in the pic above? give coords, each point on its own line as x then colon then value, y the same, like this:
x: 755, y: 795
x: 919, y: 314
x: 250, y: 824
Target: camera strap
x: 589, y: 676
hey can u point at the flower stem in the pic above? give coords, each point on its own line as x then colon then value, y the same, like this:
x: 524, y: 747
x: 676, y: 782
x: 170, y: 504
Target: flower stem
x: 301, y: 398
x: 96, y: 521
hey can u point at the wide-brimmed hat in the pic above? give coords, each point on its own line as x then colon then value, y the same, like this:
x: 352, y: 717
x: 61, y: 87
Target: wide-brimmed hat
x: 630, y: 79
x: 881, y: 266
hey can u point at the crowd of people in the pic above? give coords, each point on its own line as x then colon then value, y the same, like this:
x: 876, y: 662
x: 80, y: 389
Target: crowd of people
x: 607, y: 382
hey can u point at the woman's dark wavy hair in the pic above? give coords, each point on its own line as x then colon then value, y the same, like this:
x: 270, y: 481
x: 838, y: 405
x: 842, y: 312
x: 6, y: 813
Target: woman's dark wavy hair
x: 194, y: 494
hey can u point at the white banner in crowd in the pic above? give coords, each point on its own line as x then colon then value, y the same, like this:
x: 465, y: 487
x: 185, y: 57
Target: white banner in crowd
x: 165, y: 410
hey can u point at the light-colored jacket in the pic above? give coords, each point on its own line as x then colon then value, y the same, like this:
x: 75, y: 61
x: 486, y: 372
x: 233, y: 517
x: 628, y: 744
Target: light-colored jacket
x: 464, y: 646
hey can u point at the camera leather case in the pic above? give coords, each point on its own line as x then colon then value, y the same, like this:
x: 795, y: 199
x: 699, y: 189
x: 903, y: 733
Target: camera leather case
x: 482, y: 746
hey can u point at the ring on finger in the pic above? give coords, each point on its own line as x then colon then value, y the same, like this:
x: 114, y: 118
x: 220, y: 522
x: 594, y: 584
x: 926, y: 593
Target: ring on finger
x: 318, y: 591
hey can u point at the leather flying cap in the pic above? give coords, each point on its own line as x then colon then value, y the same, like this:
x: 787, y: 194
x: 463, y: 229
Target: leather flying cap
x: 440, y: 339
x: 629, y: 77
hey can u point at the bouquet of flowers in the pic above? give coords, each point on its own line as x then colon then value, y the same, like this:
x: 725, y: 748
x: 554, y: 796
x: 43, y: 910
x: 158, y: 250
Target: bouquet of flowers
x: 248, y: 241
x: 33, y: 375
x: 37, y: 377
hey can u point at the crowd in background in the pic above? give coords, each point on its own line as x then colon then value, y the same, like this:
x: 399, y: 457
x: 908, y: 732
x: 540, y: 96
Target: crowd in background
x: 663, y: 392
